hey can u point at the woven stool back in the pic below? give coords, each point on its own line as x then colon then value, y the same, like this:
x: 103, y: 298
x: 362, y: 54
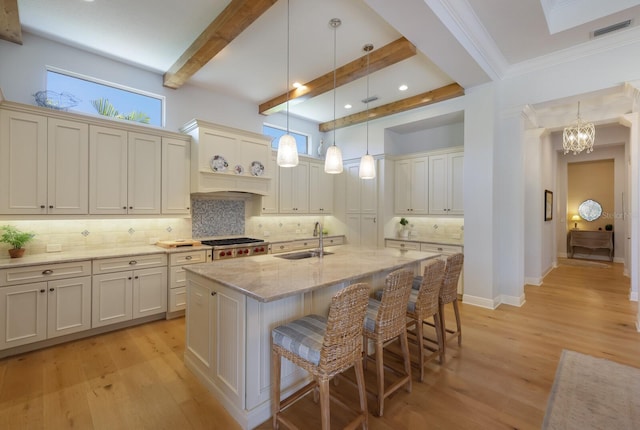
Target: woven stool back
x: 391, y: 318
x: 449, y: 289
x: 342, y: 343
x: 428, y: 294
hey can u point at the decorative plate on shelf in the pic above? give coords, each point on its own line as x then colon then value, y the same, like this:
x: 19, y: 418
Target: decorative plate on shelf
x: 257, y: 168
x: 218, y: 163
x: 238, y: 169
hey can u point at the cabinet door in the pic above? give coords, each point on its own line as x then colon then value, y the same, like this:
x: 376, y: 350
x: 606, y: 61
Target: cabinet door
x: 402, y: 187
x: 24, y: 314
x: 107, y: 170
x: 176, y: 183
x: 270, y: 201
x: 23, y: 163
x: 111, y: 299
x: 68, y: 167
x: 294, y: 189
x: 144, y: 164
x: 353, y: 188
x: 199, y: 320
x: 68, y: 306
x: 438, y: 201
x: 369, y: 231
x: 420, y: 185
x: 456, y: 185
x: 320, y: 190
x: 368, y: 196
x: 149, y: 291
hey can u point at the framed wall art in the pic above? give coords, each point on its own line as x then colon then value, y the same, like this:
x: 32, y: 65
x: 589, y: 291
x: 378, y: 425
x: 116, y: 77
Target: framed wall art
x: 548, y: 205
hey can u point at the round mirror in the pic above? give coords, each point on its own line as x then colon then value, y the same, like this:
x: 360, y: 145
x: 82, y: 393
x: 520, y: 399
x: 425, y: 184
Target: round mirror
x: 590, y: 210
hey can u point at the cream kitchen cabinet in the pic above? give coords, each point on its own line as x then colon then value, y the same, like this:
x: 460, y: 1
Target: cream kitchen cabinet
x: 43, y: 164
x: 270, y: 200
x: 362, y: 229
x: 177, y: 287
x: 124, y: 172
x: 176, y: 176
x: 320, y: 189
x: 362, y: 194
x: 120, y: 295
x: 445, y: 184
x: 294, y: 189
x: 411, y: 186
x: 216, y: 336
x: 43, y: 302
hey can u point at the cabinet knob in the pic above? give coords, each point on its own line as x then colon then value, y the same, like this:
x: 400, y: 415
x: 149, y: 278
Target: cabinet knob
x: 130, y: 207
x: 129, y: 278
x: 42, y: 206
x: 188, y: 208
x: 188, y: 257
x: 42, y: 290
x: 50, y: 206
x: 213, y: 293
x: 135, y: 277
x: 124, y: 207
x: 133, y: 263
x: 47, y: 272
x: 52, y: 289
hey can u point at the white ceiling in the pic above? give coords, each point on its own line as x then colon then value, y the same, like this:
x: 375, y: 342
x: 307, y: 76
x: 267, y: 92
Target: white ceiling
x: 464, y: 41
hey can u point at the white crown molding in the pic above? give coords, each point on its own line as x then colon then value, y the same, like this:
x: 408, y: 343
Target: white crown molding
x: 587, y: 49
x: 465, y: 26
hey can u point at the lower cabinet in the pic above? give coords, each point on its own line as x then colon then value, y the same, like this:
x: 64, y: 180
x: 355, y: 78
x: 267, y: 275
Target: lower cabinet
x: 44, y: 310
x: 177, y: 286
x: 124, y: 296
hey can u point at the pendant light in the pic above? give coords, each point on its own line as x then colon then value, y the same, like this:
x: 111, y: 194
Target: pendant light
x: 333, y: 160
x: 578, y: 136
x: 367, y: 163
x: 287, y: 148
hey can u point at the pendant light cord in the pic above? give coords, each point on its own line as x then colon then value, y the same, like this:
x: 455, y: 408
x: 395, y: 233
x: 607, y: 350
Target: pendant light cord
x: 368, y: 50
x: 288, y: 24
x: 335, y: 28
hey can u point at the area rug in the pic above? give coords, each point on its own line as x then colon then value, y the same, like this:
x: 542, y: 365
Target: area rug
x: 593, y: 393
x: 583, y: 263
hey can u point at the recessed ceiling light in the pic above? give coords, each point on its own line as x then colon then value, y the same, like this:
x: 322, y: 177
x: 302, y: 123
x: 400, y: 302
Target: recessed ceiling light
x: 348, y: 106
x: 403, y: 87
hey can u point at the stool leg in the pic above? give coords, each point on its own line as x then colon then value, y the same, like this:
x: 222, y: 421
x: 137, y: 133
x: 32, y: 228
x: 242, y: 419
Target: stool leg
x: 362, y: 392
x: 275, y: 388
x: 404, y: 344
x: 420, y: 336
x: 456, y: 310
x: 380, y: 376
x: 325, y: 414
x: 439, y: 336
x: 443, y: 328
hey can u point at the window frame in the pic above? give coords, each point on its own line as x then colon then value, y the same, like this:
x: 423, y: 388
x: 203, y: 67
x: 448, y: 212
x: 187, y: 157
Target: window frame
x: 277, y: 127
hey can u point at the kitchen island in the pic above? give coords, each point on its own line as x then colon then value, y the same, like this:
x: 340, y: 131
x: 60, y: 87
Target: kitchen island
x: 232, y: 306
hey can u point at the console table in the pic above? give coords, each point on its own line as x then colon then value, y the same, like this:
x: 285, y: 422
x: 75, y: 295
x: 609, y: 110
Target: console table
x: 591, y: 240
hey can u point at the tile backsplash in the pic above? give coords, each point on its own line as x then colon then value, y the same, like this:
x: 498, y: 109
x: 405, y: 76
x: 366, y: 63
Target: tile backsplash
x: 217, y: 217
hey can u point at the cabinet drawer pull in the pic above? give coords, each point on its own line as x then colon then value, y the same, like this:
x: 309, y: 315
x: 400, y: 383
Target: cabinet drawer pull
x: 402, y: 245
x: 42, y: 290
x: 133, y: 263
x: 52, y: 289
x: 213, y: 293
x: 439, y: 249
x: 188, y: 257
x: 47, y: 272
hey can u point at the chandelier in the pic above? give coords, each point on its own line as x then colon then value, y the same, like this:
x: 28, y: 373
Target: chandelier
x: 578, y: 136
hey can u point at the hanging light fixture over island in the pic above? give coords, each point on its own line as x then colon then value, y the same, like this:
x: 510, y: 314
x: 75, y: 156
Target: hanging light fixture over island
x: 333, y: 160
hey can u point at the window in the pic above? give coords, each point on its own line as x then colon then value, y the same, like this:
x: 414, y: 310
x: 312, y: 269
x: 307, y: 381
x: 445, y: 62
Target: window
x: 302, y: 140
x: 79, y: 93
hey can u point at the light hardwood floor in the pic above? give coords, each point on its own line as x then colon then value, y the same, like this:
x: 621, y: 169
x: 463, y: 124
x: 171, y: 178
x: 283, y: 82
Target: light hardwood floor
x: 499, y: 379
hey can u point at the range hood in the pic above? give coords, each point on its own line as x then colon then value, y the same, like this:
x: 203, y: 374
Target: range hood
x: 228, y: 160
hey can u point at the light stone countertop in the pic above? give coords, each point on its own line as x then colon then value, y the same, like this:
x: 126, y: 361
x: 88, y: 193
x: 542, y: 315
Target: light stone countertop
x: 92, y: 254
x: 438, y: 241
x: 267, y: 277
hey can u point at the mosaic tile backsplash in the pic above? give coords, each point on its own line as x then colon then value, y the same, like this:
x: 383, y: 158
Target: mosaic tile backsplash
x: 217, y: 217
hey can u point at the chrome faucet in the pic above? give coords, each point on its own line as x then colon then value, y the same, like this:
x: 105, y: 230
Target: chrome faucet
x: 317, y: 231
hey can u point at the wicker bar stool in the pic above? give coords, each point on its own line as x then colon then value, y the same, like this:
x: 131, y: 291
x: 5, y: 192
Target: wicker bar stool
x: 385, y: 322
x: 324, y: 347
x: 424, y: 303
x: 449, y: 294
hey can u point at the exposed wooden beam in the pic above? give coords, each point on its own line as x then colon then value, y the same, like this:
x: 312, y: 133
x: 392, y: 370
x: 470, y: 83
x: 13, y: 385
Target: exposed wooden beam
x: 10, y: 28
x: 392, y: 53
x: 434, y: 96
x: 233, y: 20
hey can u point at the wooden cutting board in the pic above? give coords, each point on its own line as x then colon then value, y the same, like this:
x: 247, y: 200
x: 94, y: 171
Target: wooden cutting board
x: 178, y: 243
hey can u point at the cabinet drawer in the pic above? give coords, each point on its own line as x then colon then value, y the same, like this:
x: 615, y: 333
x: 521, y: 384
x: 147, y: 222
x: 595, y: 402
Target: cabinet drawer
x: 110, y: 265
x: 305, y: 244
x: 191, y: 257
x: 177, y: 277
x: 442, y: 249
x: 44, y: 272
x: 334, y: 241
x: 177, y: 299
x: 401, y: 244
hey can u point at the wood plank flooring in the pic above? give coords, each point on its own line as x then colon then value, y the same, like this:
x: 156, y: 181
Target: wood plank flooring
x: 499, y: 379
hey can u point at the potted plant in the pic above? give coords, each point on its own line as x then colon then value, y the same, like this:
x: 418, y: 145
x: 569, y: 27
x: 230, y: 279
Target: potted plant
x: 16, y: 239
x: 404, y: 231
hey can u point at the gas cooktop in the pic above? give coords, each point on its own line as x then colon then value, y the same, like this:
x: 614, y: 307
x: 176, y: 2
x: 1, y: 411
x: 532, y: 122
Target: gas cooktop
x: 231, y: 241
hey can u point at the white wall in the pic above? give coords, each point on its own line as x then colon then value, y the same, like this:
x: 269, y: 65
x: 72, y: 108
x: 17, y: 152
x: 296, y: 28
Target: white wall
x: 431, y: 139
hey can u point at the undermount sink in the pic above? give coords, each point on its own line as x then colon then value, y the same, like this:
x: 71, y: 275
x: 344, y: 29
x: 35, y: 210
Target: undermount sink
x: 301, y: 255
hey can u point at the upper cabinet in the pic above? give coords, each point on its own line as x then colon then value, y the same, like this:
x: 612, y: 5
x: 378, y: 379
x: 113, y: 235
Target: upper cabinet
x: 271, y: 199
x: 362, y: 194
x: 228, y: 159
x: 446, y: 184
x: 412, y: 186
x: 320, y: 189
x: 294, y: 189
x: 176, y: 182
x: 124, y: 172
x: 43, y: 164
